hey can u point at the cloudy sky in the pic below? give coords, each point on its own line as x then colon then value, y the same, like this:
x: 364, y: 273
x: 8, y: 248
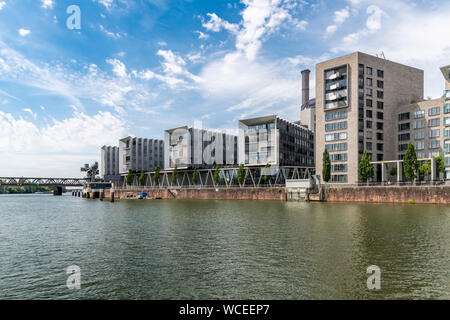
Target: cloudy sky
x: 138, y: 67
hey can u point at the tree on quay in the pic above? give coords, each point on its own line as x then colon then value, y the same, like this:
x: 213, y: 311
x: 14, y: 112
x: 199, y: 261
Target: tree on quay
x: 195, y: 176
x: 365, y: 168
x: 129, y: 177
x: 267, y: 173
x: 142, y: 178
x: 440, y: 165
x: 175, y: 175
x: 241, y: 174
x: 326, y: 166
x: 156, y: 176
x: 216, y: 175
x: 424, y: 169
x: 410, y: 164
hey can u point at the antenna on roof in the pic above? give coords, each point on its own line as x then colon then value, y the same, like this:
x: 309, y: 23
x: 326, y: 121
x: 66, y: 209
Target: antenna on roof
x: 382, y: 54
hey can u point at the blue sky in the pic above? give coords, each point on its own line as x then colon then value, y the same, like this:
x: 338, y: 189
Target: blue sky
x: 138, y: 67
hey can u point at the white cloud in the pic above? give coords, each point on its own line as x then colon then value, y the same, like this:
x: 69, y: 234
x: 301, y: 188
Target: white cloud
x: 340, y: 16
x: 24, y: 32
x: 119, y: 67
x: 47, y: 4
x: 216, y: 24
x: 58, y: 148
x: 202, y: 36
x: 28, y: 110
x: 2, y: 4
x: 107, y: 3
x: 114, y: 35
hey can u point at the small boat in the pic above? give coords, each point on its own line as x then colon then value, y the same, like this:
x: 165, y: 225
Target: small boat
x: 141, y: 195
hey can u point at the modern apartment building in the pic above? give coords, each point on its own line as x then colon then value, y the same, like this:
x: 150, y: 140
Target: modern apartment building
x: 140, y: 154
x: 275, y: 141
x: 188, y: 147
x: 357, y: 99
x: 109, y: 164
x: 426, y: 124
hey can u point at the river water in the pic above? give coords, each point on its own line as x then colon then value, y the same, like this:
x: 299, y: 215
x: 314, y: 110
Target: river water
x: 221, y: 249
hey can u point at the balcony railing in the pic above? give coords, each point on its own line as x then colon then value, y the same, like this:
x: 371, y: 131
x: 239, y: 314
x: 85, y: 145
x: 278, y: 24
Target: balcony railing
x: 334, y: 105
x: 336, y: 95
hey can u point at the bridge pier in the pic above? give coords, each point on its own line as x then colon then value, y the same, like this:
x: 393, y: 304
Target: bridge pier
x: 57, y: 191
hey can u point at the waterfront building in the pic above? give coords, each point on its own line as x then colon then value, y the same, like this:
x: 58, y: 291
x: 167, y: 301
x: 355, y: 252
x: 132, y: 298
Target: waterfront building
x: 188, y: 147
x: 357, y: 99
x: 140, y: 154
x: 275, y: 141
x: 109, y: 164
x: 426, y: 124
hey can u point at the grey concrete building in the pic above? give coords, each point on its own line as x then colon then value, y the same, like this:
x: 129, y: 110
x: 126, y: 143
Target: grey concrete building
x: 426, y: 124
x: 357, y: 98
x: 140, y: 154
x: 188, y: 147
x: 109, y: 164
x: 275, y: 141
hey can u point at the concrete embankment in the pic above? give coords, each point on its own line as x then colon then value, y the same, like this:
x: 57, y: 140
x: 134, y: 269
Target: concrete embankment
x: 278, y: 194
x: 391, y: 194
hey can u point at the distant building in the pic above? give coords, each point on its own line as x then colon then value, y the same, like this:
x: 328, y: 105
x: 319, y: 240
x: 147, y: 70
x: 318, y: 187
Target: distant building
x: 308, y: 108
x: 275, y: 141
x: 188, y: 147
x: 426, y: 124
x: 140, y: 154
x: 109, y: 166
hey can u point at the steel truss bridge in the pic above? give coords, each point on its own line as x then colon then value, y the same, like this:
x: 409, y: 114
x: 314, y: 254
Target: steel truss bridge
x: 47, y: 182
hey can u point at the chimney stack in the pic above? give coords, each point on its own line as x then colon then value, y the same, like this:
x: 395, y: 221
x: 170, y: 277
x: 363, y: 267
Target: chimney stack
x: 305, y: 86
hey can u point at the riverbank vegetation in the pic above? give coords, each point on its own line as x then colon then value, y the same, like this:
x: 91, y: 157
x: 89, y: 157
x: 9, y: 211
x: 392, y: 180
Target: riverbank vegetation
x: 24, y: 189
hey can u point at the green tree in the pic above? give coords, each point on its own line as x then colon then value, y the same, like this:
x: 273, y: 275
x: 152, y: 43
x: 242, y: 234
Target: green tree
x: 156, y: 176
x: 142, y: 178
x: 267, y: 173
x: 365, y: 168
x: 410, y: 164
x: 130, y: 177
x: 326, y: 167
x: 175, y: 175
x: 216, y: 175
x: 195, y: 176
x: 424, y: 169
x: 393, y: 171
x: 241, y: 174
x: 440, y: 165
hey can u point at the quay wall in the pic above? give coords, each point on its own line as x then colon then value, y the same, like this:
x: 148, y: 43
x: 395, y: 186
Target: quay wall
x: 278, y: 194
x: 391, y: 194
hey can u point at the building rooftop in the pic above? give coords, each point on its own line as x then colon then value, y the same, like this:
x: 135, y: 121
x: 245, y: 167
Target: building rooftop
x: 446, y: 72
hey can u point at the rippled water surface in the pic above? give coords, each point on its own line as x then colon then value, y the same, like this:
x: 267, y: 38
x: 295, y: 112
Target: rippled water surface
x: 221, y: 249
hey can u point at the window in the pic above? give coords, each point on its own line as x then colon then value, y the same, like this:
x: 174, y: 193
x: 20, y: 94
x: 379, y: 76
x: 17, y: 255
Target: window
x: 369, y: 82
x: 338, y: 157
x: 380, y: 125
x: 419, y: 145
x: 379, y: 146
x: 420, y: 155
x: 368, y: 102
x: 433, y: 133
x: 404, y: 137
x: 446, y: 133
x: 336, y: 136
x: 339, y: 167
x: 369, y: 124
x: 336, y: 147
x: 369, y: 134
x: 434, y: 111
x: 379, y: 157
x: 403, y: 126
x: 419, y: 135
x: 380, y: 84
x: 336, y: 126
x: 434, y: 122
x: 380, y: 94
x: 369, y: 92
x: 403, y: 116
x: 380, y: 73
x: 419, y: 124
x: 380, y: 115
x: 446, y: 121
x: 447, y: 164
x: 419, y: 114
x: 339, y: 178
x: 380, y: 136
x: 433, y: 144
x: 402, y: 147
x: 380, y: 104
x: 433, y: 154
x: 337, y: 115
x: 447, y: 108
x: 369, y: 146
x: 369, y: 71
x: 369, y: 113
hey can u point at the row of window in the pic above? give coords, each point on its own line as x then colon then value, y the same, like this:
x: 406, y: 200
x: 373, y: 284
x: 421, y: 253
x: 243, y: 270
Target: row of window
x: 336, y: 115
x: 369, y: 71
x: 420, y: 145
x: 336, y: 136
x: 418, y: 114
x: 369, y: 103
x: 336, y: 147
x: 336, y: 126
x: 336, y: 157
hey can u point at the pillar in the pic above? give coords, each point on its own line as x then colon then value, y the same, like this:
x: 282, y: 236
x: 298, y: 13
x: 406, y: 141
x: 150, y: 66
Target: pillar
x: 383, y: 173
x: 433, y: 170
x: 399, y: 171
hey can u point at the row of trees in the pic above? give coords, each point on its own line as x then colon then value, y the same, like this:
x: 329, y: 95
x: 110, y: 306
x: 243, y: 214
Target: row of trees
x: 411, y: 168
x: 156, y: 177
x: 25, y: 189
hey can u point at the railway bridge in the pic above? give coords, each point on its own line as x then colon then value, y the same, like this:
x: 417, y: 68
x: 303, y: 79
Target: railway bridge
x: 56, y: 183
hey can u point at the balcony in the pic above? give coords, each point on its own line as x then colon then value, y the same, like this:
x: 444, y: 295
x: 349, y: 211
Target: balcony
x: 334, y: 76
x: 334, y: 105
x: 336, y: 95
x: 335, y: 86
